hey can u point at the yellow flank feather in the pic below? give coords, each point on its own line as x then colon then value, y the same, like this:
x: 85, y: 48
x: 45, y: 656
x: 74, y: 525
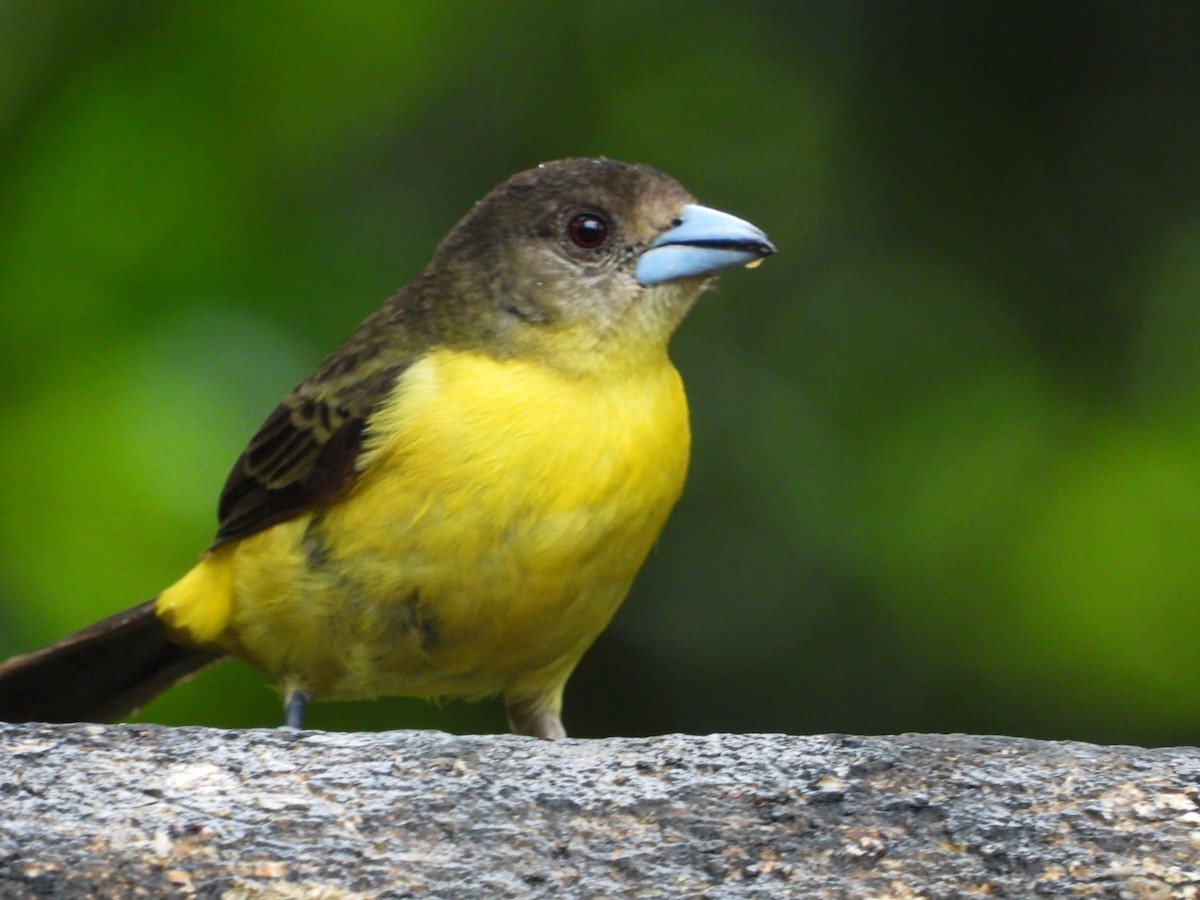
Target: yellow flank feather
x: 502, y: 511
x: 199, y: 604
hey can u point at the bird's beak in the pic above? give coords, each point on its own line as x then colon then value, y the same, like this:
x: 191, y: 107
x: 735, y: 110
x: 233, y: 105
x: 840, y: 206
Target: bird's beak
x: 703, y: 242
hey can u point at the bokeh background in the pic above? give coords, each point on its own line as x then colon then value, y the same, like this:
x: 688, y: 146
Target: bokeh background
x: 946, y: 472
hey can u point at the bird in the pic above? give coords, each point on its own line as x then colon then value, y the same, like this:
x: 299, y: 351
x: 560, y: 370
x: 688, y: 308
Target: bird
x: 457, y: 499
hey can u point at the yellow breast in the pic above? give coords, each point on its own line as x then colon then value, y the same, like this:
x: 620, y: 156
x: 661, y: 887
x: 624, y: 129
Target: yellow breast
x: 502, y: 512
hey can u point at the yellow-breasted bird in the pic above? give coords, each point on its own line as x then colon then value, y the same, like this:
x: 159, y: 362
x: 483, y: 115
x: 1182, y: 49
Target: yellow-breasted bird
x: 458, y: 498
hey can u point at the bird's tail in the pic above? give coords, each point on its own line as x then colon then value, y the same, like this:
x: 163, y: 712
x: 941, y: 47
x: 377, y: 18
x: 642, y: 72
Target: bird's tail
x: 103, y: 673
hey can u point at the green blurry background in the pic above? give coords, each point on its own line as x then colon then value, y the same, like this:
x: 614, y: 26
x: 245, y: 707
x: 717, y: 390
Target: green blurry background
x: 946, y: 472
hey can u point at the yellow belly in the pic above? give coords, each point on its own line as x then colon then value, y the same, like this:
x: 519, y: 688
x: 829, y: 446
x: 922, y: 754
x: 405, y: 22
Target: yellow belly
x: 501, y: 515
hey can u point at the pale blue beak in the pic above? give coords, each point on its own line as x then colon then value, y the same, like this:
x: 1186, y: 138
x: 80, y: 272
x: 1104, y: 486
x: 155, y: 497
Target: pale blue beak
x: 704, y: 242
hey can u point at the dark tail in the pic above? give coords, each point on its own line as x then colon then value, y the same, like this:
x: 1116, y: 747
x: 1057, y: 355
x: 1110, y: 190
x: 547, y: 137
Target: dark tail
x: 103, y: 673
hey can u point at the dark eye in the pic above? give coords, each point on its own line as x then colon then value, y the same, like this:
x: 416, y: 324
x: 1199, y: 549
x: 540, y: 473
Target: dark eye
x: 588, y: 230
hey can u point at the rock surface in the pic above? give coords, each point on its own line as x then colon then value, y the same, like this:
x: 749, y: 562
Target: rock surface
x: 134, y: 810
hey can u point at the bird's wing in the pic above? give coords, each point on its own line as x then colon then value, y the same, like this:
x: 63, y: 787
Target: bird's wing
x: 305, y: 453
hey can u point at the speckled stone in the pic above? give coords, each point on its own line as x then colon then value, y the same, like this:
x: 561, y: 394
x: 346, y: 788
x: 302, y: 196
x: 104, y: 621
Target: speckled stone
x: 135, y: 810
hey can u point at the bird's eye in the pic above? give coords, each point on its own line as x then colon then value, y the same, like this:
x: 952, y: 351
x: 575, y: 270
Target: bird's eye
x: 588, y: 230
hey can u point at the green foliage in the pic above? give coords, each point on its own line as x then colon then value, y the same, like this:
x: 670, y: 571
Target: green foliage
x: 947, y: 442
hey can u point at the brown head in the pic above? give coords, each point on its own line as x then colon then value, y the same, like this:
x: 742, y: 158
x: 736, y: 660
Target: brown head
x: 574, y: 263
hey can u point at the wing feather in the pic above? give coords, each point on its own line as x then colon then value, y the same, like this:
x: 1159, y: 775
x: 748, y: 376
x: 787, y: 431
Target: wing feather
x: 305, y: 454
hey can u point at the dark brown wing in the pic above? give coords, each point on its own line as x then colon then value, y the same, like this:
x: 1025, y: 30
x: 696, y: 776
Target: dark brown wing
x: 305, y: 453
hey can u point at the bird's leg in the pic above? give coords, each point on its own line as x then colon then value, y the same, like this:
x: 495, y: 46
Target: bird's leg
x: 536, y: 717
x: 294, y: 703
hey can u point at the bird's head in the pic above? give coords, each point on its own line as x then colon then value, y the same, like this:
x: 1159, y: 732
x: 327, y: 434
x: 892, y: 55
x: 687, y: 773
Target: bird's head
x: 587, y: 264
